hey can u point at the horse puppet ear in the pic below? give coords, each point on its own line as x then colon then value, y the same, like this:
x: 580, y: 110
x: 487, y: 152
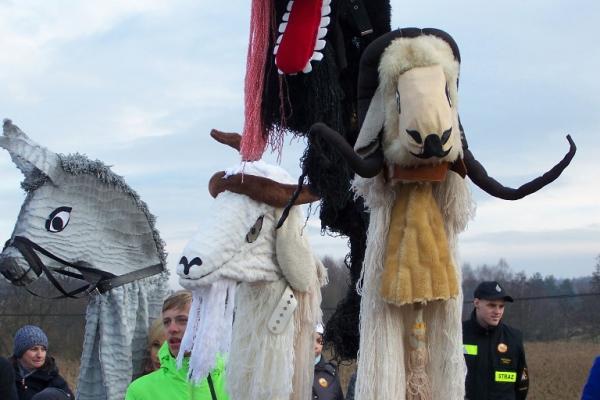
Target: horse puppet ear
x: 293, y: 252
x: 28, y: 155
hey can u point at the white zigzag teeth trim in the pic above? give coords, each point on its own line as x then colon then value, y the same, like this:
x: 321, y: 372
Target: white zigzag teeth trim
x: 307, y: 68
x: 324, y: 22
x: 326, y: 2
x: 282, y: 27
x: 290, y: 5
x: 317, y: 56
x: 279, y: 39
x: 320, y: 45
x: 279, y: 71
x: 286, y: 17
x: 326, y: 10
x: 275, y: 50
x: 322, y: 33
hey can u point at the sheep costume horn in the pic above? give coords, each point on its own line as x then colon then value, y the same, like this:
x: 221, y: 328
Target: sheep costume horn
x: 411, y: 157
x: 238, y: 262
x: 83, y: 221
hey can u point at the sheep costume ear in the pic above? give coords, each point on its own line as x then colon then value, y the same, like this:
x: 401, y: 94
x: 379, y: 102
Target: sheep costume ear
x: 293, y: 252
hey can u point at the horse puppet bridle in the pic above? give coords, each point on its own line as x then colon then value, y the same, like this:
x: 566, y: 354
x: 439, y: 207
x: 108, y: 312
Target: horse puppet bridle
x: 98, y: 282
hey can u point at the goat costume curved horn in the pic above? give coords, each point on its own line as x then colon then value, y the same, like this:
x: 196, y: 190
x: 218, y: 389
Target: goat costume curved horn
x: 367, y: 160
x: 258, y: 188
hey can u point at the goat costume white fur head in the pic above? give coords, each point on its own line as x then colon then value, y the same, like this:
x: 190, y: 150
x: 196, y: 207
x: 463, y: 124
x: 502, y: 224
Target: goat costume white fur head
x: 239, y: 257
x: 419, y: 80
x: 411, y: 139
x: 82, y: 220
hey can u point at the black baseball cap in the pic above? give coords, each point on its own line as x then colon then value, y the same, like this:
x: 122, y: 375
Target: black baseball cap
x: 491, y: 290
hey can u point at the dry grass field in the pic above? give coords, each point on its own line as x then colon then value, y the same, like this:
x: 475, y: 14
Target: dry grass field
x: 557, y: 370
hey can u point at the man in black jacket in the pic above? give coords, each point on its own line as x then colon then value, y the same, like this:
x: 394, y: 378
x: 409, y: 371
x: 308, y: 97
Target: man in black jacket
x: 494, y: 351
x: 326, y: 383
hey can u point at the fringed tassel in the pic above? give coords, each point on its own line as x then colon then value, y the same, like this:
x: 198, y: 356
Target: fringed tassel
x: 208, y: 334
x: 254, y: 134
x: 418, y: 386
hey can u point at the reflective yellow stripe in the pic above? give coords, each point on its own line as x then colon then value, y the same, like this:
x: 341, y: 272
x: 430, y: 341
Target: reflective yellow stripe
x: 470, y: 349
x: 505, y: 376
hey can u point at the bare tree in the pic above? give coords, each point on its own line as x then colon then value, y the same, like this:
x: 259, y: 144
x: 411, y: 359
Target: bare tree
x: 335, y: 290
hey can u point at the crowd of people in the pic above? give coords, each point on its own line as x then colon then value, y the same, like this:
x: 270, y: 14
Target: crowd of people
x: 494, y: 354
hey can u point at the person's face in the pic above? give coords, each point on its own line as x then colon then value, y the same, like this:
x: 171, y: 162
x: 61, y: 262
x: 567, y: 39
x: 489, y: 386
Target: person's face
x: 489, y: 312
x: 174, y: 323
x: 318, y: 344
x: 154, y: 347
x: 34, y: 357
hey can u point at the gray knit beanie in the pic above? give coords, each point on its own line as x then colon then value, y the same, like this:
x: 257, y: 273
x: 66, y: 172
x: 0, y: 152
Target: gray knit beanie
x: 27, y: 337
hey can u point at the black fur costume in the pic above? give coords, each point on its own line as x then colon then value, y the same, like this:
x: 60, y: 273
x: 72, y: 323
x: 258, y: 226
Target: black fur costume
x: 329, y: 94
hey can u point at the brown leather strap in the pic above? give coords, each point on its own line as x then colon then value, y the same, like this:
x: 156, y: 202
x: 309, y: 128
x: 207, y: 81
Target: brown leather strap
x: 426, y: 173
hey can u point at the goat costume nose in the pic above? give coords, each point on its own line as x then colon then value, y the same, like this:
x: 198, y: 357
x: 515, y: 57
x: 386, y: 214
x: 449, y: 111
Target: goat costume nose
x: 187, y: 265
x: 433, y: 146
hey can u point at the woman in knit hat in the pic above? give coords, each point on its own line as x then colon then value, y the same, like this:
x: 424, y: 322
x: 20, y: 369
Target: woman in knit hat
x: 36, y: 373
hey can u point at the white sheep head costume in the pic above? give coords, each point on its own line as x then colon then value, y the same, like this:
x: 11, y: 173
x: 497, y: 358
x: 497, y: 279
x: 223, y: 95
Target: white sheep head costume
x: 239, y: 263
x: 411, y: 138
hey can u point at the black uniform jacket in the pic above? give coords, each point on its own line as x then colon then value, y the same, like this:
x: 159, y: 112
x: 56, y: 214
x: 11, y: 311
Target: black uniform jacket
x: 326, y: 385
x: 495, y: 361
x: 42, y: 378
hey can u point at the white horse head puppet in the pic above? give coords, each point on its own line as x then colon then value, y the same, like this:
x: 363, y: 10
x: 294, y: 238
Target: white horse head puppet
x: 81, y: 220
x: 238, y: 262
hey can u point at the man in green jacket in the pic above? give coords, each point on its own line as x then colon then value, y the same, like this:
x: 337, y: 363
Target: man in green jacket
x: 168, y: 382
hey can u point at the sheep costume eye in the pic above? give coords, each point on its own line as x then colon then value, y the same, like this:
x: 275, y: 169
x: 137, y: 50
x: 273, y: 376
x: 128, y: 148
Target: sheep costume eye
x: 253, y: 233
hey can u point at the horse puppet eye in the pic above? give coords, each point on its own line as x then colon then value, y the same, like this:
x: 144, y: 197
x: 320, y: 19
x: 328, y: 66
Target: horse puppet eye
x: 253, y: 233
x: 58, y: 219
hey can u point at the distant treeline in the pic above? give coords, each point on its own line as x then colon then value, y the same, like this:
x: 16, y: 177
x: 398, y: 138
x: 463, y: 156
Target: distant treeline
x: 546, y: 319
x: 63, y: 320
x: 575, y: 317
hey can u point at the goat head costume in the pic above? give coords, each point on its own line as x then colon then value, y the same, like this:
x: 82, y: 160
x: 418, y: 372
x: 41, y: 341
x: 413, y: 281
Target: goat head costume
x: 238, y: 262
x: 412, y: 157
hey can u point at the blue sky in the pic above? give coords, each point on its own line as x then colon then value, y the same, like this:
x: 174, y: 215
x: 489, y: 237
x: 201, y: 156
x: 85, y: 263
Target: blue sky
x: 139, y: 84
